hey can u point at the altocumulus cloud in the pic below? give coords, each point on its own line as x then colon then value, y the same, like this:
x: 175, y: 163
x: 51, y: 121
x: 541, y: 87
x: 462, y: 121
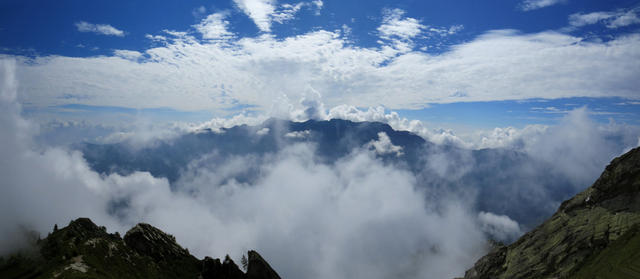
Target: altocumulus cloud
x: 210, y: 67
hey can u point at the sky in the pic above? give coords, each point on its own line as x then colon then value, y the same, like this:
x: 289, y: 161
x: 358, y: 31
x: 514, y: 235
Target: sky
x: 460, y: 65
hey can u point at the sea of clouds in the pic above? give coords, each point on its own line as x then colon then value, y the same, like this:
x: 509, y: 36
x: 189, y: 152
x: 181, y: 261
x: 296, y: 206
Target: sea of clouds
x: 358, y: 217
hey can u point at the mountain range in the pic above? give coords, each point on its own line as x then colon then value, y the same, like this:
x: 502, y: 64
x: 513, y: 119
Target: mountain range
x: 463, y: 170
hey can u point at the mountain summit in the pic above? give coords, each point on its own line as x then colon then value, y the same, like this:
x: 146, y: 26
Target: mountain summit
x: 595, y: 234
x: 85, y: 250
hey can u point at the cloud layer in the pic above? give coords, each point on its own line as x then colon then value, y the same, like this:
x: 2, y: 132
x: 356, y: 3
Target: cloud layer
x: 213, y: 69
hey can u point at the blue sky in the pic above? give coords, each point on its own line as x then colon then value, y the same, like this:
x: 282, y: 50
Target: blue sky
x: 457, y: 63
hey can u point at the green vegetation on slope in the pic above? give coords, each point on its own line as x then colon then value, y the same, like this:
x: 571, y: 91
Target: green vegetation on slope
x: 584, y: 235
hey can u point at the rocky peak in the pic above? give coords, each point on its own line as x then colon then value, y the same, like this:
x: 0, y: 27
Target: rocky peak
x: 258, y: 268
x: 148, y: 240
x: 83, y: 228
x: 85, y: 250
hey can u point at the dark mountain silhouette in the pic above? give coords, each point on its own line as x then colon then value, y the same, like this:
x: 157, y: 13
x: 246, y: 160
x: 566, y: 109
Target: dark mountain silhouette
x: 85, y: 250
x: 595, y: 234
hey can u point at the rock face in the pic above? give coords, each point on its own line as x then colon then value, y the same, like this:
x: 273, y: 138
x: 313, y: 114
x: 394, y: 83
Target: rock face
x: 85, y: 250
x: 595, y: 234
x: 259, y: 268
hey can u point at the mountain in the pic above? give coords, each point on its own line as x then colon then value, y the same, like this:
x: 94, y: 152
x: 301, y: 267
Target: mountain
x: 595, y: 234
x: 334, y: 139
x: 85, y: 250
x: 442, y: 166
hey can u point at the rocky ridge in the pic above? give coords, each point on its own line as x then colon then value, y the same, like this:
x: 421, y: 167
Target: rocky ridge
x: 85, y: 250
x: 595, y: 234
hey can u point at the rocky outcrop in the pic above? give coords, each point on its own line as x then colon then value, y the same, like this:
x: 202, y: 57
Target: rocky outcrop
x: 213, y: 269
x: 258, y: 268
x: 580, y: 233
x: 85, y: 250
x: 148, y: 240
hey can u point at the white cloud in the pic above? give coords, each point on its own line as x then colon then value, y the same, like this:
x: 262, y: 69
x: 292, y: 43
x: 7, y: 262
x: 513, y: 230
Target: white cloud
x: 394, y: 25
x: 216, y: 124
x: 259, y: 11
x: 262, y: 132
x: 265, y: 12
x: 298, y: 134
x: 156, y: 38
x: 442, y: 31
x: 215, y: 27
x: 577, y: 146
x: 384, y: 146
x: 199, y: 11
x: 185, y: 73
x: 286, y: 12
x: 500, y: 227
x: 609, y: 19
x: 127, y: 54
x: 528, y: 5
x: 319, y: 4
x: 399, y: 30
x: 104, y: 29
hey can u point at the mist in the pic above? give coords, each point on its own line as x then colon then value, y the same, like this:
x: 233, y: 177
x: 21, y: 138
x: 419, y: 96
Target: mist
x: 357, y: 218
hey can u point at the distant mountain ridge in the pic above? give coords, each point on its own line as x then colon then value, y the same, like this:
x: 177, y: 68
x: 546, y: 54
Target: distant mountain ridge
x: 85, y: 250
x: 595, y: 234
x: 335, y: 139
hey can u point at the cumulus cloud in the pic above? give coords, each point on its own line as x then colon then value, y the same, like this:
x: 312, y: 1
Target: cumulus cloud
x: 103, y: 29
x: 259, y: 11
x: 611, y: 20
x: 399, y: 30
x: 529, y: 5
x: 577, y: 146
x: 380, y: 114
x: 262, y: 132
x: 500, y: 227
x: 384, y: 146
x: 215, y: 27
x: 394, y: 25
